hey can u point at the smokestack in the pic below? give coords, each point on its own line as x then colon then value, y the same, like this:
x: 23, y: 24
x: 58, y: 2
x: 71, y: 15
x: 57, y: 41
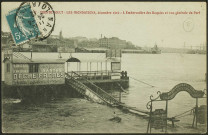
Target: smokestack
x: 75, y: 44
x: 31, y: 54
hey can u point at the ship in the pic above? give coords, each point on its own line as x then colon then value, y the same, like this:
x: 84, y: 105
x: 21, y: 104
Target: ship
x: 155, y: 50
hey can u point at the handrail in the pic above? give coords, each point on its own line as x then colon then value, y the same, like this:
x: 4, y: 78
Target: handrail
x: 95, y: 73
x: 101, y: 97
x: 101, y: 71
x: 98, y: 88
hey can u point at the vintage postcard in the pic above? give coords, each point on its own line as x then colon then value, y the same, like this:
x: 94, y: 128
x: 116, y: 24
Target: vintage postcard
x: 103, y: 67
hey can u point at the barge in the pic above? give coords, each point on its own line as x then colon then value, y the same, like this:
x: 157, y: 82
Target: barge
x: 43, y: 75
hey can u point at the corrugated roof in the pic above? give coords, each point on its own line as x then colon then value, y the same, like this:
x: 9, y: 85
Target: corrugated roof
x: 21, y: 58
x: 45, y: 57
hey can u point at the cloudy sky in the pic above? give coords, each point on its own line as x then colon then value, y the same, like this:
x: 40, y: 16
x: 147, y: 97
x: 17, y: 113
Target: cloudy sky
x: 166, y: 30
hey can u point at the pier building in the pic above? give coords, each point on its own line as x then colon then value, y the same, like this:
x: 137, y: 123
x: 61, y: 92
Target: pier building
x: 27, y: 70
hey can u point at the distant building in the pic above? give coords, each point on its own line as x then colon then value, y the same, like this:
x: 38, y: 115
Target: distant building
x: 61, y: 44
x: 60, y: 35
x: 129, y: 45
x: 113, y: 42
x: 43, y: 47
x: 6, y: 39
x: 93, y: 39
x: 79, y: 39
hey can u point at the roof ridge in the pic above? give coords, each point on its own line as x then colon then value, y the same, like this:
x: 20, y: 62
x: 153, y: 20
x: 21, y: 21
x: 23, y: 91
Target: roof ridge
x: 21, y: 55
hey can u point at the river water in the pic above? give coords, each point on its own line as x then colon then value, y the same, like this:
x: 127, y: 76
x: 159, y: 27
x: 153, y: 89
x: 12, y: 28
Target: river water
x: 75, y: 115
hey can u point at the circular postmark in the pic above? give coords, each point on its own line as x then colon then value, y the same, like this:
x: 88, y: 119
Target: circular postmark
x: 188, y: 24
x: 35, y: 19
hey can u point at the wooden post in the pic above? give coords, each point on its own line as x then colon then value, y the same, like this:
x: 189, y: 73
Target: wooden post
x: 90, y: 71
x: 120, y: 95
x: 150, y: 117
x: 193, y: 121
x: 90, y: 66
x: 19, y: 93
x: 97, y: 66
x: 35, y: 93
x: 106, y: 67
x: 67, y: 66
x: 95, y: 76
x: 79, y: 66
x: 166, y: 121
x: 196, y: 112
x: 101, y: 75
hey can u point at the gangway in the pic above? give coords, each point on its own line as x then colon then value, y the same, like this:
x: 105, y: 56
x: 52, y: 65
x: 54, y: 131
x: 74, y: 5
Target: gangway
x: 91, y: 92
x: 94, y: 93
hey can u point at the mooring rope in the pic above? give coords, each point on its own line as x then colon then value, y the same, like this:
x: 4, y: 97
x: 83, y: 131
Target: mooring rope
x: 142, y: 81
x: 181, y: 115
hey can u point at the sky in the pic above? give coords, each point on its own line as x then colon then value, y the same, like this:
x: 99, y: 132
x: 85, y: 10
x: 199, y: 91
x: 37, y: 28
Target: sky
x: 166, y: 30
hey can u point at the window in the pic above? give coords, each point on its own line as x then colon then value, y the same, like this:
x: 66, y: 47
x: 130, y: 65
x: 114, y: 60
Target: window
x: 115, y: 66
x: 8, y: 67
x: 33, y: 68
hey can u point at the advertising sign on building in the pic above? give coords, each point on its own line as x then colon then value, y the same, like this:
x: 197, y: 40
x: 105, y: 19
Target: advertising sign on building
x: 38, y: 74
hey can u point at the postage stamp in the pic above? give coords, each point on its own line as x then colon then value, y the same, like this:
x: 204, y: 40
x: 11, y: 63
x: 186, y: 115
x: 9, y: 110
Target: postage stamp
x: 22, y: 24
x: 28, y: 22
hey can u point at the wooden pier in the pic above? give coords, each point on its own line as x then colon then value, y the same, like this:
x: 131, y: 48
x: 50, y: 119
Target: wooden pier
x: 34, y: 78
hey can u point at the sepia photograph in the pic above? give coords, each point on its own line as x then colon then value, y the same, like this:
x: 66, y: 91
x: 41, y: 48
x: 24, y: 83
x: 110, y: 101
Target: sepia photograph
x: 104, y: 67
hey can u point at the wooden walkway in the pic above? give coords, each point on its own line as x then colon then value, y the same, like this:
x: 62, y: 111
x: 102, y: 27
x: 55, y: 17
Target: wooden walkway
x: 94, y: 93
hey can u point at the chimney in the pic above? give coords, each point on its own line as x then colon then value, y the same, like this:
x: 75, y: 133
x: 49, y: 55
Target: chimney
x: 75, y: 44
x: 31, y: 54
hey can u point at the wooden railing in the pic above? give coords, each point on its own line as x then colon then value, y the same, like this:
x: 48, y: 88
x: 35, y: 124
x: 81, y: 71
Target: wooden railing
x: 93, y: 75
x: 101, y: 94
x: 92, y: 87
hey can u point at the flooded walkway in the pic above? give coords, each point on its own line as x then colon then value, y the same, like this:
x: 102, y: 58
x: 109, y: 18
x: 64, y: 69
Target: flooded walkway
x: 74, y: 115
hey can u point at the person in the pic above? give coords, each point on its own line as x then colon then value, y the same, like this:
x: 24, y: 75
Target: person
x: 125, y: 73
x: 122, y: 74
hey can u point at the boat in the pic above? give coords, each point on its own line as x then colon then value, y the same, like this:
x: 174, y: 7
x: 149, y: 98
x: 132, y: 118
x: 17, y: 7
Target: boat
x: 155, y: 50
